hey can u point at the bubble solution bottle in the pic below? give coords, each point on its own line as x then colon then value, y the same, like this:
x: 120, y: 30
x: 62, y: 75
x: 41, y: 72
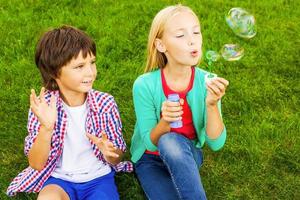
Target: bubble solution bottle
x: 175, y: 98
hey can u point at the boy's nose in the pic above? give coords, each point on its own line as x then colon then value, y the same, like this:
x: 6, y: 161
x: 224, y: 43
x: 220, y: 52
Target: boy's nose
x: 90, y: 70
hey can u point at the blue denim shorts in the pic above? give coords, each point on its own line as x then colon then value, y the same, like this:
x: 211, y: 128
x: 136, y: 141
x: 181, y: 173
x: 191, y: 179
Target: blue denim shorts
x: 103, y: 188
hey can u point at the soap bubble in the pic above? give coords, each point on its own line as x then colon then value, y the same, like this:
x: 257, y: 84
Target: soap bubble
x: 212, y: 56
x: 241, y: 22
x: 232, y: 52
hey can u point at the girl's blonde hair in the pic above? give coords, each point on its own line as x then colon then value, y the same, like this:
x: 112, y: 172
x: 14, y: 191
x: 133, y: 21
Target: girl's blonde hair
x: 156, y: 59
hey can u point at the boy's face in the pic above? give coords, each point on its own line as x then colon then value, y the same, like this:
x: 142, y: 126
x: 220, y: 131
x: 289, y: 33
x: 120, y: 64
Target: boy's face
x: 77, y: 77
x: 182, y: 39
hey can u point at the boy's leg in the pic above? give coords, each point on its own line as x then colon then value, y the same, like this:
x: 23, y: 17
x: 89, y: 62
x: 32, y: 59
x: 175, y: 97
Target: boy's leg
x: 103, y: 188
x: 178, y: 154
x: 155, y: 178
x: 57, y: 189
x: 53, y: 192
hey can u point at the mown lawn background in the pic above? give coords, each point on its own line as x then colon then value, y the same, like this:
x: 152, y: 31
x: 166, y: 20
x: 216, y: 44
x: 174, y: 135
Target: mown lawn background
x: 261, y: 158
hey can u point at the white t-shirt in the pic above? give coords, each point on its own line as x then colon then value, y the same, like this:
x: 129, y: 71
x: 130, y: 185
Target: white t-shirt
x: 78, y: 163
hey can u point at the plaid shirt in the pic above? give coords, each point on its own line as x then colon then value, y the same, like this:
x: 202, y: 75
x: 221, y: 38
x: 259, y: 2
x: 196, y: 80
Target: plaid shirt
x: 102, y: 115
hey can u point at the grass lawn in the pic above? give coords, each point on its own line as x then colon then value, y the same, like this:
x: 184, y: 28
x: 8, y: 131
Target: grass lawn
x: 261, y: 158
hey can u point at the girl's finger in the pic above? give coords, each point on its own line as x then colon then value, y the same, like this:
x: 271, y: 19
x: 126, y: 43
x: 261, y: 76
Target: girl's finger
x: 173, y: 114
x: 171, y: 119
x: 224, y: 81
x: 210, y: 91
x: 214, y: 88
x: 172, y: 104
x: 173, y: 109
x: 219, y: 85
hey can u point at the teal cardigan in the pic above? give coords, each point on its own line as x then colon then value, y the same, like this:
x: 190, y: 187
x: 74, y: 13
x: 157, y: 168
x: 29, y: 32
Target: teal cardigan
x: 148, y: 97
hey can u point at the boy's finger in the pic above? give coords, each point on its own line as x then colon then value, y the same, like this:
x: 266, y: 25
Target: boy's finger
x: 93, y: 138
x: 42, y: 95
x: 32, y: 102
x: 35, y: 99
x: 104, y: 136
x: 52, y: 102
x: 112, y: 154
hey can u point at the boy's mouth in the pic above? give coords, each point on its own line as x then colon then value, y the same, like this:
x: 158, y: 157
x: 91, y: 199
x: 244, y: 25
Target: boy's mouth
x: 87, y: 82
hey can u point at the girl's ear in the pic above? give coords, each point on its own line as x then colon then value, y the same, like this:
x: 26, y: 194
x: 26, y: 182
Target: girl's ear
x: 159, y: 45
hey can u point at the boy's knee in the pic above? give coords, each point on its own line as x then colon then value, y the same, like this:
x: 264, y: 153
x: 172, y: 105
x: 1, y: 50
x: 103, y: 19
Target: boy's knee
x: 52, y: 192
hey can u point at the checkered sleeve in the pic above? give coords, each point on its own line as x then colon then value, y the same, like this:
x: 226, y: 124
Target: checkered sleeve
x: 114, y: 127
x: 33, y: 127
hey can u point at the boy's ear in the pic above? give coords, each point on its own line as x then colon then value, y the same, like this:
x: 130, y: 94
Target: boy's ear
x: 159, y: 45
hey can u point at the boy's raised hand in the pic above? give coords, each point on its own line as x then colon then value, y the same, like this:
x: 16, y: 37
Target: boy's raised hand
x: 45, y: 112
x: 216, y: 90
x: 104, y: 145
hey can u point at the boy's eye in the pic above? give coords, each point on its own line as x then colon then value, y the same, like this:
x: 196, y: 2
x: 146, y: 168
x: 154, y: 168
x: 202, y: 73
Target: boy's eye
x: 196, y: 32
x: 93, y: 62
x: 179, y: 36
x: 79, y: 67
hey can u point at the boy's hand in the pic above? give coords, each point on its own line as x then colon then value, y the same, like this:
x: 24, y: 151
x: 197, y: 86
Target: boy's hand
x: 105, y: 146
x: 172, y: 111
x: 46, y: 114
x: 216, y: 90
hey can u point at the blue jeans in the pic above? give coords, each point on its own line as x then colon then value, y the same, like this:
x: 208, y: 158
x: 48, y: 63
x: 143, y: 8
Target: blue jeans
x: 175, y: 173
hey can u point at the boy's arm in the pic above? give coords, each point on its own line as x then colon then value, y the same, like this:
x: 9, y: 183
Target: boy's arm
x: 39, y: 152
x: 42, y: 117
x: 111, y: 144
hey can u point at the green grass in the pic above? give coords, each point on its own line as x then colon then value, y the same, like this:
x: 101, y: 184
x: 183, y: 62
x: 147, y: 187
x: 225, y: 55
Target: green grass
x: 261, y: 158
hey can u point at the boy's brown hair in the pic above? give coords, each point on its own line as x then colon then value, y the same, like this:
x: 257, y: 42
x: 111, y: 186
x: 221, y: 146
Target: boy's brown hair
x: 56, y: 48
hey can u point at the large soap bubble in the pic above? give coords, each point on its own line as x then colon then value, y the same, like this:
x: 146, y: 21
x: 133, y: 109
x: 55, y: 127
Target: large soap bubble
x: 232, y: 52
x: 241, y: 22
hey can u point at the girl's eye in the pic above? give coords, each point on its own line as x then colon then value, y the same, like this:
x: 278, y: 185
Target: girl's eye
x: 93, y: 62
x: 179, y: 36
x: 196, y: 32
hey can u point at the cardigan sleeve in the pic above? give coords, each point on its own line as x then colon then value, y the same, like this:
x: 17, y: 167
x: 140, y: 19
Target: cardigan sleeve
x: 145, y: 111
x: 217, y: 143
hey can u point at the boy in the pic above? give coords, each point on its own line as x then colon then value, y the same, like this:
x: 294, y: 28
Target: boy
x: 74, y: 143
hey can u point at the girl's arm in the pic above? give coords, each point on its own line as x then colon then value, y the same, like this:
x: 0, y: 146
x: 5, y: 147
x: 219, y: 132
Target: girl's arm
x: 171, y: 111
x: 216, y: 90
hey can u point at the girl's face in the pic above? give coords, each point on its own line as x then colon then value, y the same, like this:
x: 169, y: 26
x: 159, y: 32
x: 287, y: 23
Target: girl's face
x: 182, y: 40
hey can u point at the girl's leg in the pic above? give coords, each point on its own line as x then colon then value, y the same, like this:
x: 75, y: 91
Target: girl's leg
x: 178, y: 154
x: 53, y: 192
x: 155, y: 178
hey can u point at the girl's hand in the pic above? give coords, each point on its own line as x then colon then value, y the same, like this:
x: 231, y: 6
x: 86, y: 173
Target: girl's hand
x: 46, y: 114
x: 216, y: 90
x: 104, y: 145
x: 171, y: 111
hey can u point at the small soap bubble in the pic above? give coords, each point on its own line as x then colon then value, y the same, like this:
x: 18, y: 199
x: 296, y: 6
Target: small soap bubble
x: 241, y: 22
x: 212, y: 56
x: 232, y: 52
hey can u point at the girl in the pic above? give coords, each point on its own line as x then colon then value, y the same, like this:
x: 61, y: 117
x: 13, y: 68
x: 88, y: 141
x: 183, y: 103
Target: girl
x: 167, y: 160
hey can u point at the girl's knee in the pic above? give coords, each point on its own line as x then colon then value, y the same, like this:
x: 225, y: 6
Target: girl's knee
x: 173, y: 145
